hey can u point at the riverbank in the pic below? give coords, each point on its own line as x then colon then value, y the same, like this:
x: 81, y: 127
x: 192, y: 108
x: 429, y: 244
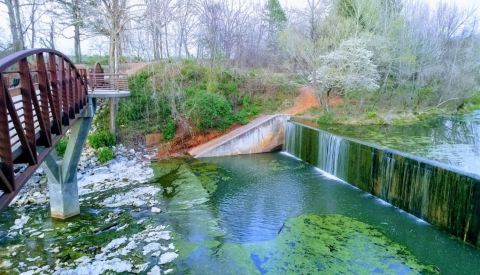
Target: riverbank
x: 120, y: 228
x: 345, y: 111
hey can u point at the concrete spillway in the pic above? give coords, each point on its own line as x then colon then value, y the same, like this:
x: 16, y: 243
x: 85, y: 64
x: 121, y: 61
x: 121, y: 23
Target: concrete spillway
x: 435, y: 192
x: 264, y: 134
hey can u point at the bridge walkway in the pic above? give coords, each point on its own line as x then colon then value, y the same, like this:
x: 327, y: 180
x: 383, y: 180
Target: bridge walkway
x: 42, y: 96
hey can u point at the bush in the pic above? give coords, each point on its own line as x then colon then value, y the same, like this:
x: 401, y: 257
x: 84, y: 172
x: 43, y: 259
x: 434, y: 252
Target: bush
x: 249, y: 110
x: 209, y: 111
x: 191, y: 71
x: 168, y: 132
x: 101, y: 139
x: 472, y: 104
x: 61, y: 147
x: 372, y: 115
x: 325, y: 118
x: 104, y: 154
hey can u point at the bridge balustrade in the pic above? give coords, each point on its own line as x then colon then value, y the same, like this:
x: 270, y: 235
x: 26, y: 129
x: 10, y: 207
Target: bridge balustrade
x: 42, y: 94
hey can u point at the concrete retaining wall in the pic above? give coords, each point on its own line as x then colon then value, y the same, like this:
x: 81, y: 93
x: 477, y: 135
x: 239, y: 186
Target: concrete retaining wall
x: 264, y: 134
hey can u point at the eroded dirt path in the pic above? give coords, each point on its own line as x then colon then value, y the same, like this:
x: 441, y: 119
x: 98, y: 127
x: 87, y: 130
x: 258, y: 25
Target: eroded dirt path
x: 305, y: 100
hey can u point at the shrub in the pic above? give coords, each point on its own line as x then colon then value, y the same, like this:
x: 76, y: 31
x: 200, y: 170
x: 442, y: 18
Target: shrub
x: 61, y: 147
x: 472, y: 104
x: 168, y: 132
x: 212, y: 86
x: 229, y: 87
x: 191, y: 71
x: 372, y: 114
x: 325, y: 118
x: 104, y: 154
x: 249, y: 109
x: 209, y: 111
x: 101, y: 139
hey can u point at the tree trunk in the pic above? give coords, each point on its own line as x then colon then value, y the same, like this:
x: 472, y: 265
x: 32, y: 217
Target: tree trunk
x: 111, y: 54
x: 18, y: 20
x: 52, y: 35
x: 166, y: 42
x: 13, y: 25
x: 32, y: 23
x: 76, y: 38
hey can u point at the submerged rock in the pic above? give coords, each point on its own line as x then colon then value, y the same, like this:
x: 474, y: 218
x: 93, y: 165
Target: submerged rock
x: 108, y: 236
x: 99, y: 267
x: 20, y: 222
x: 168, y: 257
x: 137, y: 197
x: 114, y: 244
x: 155, y: 271
x: 156, y: 210
x: 151, y: 247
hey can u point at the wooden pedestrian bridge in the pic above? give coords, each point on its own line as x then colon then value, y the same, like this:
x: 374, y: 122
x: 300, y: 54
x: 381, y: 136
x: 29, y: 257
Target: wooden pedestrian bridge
x: 43, y: 94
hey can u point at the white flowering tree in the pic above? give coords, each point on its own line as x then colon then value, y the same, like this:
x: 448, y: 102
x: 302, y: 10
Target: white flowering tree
x: 349, y: 67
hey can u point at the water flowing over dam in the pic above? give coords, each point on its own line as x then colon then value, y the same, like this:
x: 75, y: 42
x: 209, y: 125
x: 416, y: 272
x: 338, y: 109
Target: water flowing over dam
x: 438, y: 193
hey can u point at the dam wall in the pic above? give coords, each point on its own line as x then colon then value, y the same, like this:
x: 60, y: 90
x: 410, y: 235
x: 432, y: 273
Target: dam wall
x: 435, y: 192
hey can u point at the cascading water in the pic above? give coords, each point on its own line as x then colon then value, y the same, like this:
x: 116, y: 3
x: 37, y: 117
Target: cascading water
x: 435, y: 192
x: 325, y: 150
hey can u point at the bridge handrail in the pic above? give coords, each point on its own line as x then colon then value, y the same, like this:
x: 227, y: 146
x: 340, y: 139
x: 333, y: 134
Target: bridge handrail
x: 108, y: 81
x: 47, y: 101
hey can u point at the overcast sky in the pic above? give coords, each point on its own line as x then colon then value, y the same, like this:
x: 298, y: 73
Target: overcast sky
x: 88, y: 46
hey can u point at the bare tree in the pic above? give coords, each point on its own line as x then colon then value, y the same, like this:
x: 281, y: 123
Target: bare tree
x: 111, y: 21
x: 159, y: 14
x: 15, y: 20
x: 73, y: 13
x: 48, y: 39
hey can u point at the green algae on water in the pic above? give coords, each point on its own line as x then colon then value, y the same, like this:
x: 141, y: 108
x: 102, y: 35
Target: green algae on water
x: 306, y: 244
x: 328, y: 244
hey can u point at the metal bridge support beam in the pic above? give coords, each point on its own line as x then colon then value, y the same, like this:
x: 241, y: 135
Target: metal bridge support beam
x: 62, y: 173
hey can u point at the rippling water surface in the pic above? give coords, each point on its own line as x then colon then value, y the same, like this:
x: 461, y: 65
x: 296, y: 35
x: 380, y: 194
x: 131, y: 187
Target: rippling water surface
x: 273, y: 214
x: 453, y: 140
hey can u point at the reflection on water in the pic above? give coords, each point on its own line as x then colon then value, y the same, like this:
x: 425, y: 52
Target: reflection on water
x: 273, y: 214
x: 454, y: 140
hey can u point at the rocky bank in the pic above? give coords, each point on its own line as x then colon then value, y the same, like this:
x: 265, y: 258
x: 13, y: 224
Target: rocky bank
x: 121, y: 228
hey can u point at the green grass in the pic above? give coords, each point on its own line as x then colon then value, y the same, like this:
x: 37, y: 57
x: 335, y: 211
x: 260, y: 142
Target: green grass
x: 472, y: 104
x: 61, y: 147
x: 100, y: 139
x: 104, y: 154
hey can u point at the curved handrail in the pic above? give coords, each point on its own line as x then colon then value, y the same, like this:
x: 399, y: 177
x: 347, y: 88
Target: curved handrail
x: 13, y: 58
x: 35, y: 111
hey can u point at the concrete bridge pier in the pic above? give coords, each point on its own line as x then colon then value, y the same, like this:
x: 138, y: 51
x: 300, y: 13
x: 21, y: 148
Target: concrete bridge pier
x: 62, y: 173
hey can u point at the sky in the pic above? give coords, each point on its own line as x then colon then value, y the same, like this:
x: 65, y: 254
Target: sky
x: 88, y: 46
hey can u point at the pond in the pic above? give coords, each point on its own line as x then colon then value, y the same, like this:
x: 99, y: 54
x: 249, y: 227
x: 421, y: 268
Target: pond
x: 454, y: 140
x: 273, y: 214
x: 256, y: 214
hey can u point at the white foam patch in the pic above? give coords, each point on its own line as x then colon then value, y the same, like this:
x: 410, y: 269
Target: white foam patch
x: 332, y: 177
x: 382, y: 202
x: 417, y: 219
x: 285, y: 153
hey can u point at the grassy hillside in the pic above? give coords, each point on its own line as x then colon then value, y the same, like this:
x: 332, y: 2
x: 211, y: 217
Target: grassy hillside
x: 186, y: 98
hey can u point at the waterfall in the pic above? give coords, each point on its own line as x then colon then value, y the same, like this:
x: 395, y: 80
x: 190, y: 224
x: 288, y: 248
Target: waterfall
x: 324, y: 150
x: 442, y: 195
